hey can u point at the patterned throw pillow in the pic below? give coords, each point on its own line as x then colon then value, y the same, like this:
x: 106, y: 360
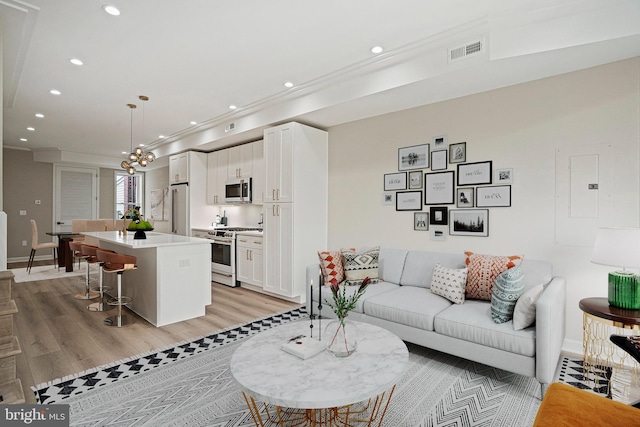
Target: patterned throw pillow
x: 508, y: 288
x: 358, y: 266
x: 331, y: 266
x: 449, y: 283
x: 483, y: 272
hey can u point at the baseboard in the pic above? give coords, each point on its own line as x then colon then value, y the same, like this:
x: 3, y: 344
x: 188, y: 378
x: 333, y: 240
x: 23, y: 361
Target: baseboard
x: 572, y: 348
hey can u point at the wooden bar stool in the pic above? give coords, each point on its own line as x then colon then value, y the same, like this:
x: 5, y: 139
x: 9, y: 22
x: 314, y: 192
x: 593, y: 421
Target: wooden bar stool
x: 76, y: 247
x: 117, y: 263
x: 92, y: 258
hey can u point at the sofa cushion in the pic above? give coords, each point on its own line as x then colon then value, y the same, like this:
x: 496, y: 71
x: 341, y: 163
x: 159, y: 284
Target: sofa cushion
x: 358, y: 266
x: 418, y: 267
x: 472, y: 322
x: 391, y: 264
x: 407, y: 305
x: 371, y: 291
x: 483, y: 272
x: 331, y: 266
x: 449, y: 283
x: 508, y: 288
x: 524, y: 313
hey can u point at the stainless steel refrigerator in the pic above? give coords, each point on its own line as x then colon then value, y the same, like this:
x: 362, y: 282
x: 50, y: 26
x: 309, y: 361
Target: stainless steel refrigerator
x: 180, y: 209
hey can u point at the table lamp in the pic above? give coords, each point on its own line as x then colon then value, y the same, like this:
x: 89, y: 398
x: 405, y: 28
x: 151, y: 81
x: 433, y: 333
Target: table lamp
x: 620, y: 247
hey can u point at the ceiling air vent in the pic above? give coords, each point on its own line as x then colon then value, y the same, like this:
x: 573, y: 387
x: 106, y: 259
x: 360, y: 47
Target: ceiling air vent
x: 465, y: 51
x: 231, y: 126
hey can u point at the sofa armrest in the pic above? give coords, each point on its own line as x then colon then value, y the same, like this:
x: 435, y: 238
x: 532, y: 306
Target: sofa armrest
x: 313, y: 273
x: 550, y: 328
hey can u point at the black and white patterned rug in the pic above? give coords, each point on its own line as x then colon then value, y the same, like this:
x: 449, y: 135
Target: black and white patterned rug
x: 191, y: 384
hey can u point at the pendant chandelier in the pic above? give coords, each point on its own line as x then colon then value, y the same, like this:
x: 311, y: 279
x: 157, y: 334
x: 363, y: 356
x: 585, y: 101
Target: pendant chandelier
x: 137, y: 156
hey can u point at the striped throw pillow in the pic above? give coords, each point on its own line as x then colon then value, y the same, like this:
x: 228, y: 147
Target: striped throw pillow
x: 508, y: 288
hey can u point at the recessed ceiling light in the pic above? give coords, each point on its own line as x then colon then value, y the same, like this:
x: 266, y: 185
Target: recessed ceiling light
x: 55, y: 92
x: 232, y: 107
x: 111, y: 10
x: 160, y: 136
x: 23, y: 139
x: 40, y: 115
x: 288, y: 84
x: 76, y: 61
x: 193, y: 123
x: 140, y: 145
x: 124, y: 152
x: 31, y: 128
x: 376, y: 49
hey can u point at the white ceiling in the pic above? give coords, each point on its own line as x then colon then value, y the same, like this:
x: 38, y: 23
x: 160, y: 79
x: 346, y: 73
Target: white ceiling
x: 194, y: 58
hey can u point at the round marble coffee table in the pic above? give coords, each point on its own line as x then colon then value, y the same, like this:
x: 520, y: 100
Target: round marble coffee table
x: 270, y: 375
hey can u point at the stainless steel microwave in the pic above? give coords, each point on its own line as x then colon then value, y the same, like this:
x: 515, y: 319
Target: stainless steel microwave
x: 238, y: 190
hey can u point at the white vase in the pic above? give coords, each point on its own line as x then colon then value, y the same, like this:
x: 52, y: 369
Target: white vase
x: 341, y: 337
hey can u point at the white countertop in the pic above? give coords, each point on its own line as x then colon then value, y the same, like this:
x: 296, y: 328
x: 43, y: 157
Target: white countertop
x: 153, y: 240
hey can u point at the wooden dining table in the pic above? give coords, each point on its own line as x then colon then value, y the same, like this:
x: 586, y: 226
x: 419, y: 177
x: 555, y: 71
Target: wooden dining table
x: 65, y: 256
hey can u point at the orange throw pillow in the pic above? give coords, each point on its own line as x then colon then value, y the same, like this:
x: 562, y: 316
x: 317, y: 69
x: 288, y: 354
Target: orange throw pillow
x: 483, y: 272
x: 331, y: 266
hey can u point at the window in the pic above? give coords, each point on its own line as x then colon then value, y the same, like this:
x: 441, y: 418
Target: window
x: 128, y: 192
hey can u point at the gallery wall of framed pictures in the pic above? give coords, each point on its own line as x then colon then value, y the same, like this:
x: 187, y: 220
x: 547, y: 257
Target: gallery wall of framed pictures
x: 446, y: 190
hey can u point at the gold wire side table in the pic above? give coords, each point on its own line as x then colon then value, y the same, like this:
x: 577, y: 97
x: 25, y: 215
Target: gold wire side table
x: 600, y: 321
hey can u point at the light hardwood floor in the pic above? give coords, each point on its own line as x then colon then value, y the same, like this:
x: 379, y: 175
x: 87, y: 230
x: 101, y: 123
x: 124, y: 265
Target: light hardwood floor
x: 60, y: 337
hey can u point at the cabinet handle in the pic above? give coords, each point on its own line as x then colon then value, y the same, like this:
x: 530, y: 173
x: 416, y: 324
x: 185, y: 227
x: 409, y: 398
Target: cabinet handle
x: 278, y: 210
x: 278, y: 193
x: 256, y: 242
x: 248, y: 258
x: 273, y: 194
x: 273, y: 210
x: 250, y: 255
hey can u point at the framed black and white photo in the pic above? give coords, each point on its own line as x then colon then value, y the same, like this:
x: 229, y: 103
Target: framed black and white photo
x: 415, y: 180
x: 469, y: 222
x: 415, y: 157
x: 464, y: 197
x: 474, y: 173
x: 504, y: 176
x: 421, y: 221
x: 438, y: 215
x: 439, y: 188
x: 493, y: 197
x: 458, y: 152
x: 395, y: 181
x: 439, y: 160
x: 439, y: 142
x: 388, y: 198
x: 438, y: 233
x: 409, y: 200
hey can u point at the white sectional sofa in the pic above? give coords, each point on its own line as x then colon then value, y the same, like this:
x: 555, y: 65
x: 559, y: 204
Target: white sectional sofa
x: 403, y: 304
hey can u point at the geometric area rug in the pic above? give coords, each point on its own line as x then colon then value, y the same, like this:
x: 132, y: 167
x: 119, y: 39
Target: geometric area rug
x: 191, y: 384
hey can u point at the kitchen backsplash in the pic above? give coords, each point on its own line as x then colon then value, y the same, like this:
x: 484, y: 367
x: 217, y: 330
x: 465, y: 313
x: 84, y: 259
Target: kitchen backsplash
x: 241, y: 215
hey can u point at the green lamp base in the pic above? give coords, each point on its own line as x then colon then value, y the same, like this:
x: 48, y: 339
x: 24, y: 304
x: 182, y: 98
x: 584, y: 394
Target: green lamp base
x: 624, y: 290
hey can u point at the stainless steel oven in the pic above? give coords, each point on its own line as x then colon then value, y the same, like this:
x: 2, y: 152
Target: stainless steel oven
x: 223, y: 260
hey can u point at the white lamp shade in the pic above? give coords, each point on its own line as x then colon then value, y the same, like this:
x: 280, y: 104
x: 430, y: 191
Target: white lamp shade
x: 619, y: 247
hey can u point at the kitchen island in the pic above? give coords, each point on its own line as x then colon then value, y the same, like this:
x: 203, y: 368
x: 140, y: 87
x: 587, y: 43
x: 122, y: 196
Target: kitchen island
x: 173, y: 280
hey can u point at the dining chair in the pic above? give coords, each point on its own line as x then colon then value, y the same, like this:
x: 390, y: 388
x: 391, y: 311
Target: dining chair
x: 37, y: 246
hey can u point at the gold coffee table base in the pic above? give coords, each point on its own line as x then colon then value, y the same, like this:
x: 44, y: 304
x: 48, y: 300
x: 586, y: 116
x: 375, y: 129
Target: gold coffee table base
x: 370, y: 413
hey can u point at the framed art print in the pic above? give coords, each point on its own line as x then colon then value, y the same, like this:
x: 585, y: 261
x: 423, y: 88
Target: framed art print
x: 458, y: 152
x: 474, y: 173
x: 438, y: 233
x: 409, y: 200
x: 438, y: 215
x: 415, y: 157
x: 415, y: 180
x: 464, y: 197
x: 439, y: 142
x: 439, y: 188
x: 395, y: 181
x: 493, y: 197
x: 439, y: 160
x: 504, y: 176
x: 469, y: 222
x: 421, y: 221
x: 388, y: 198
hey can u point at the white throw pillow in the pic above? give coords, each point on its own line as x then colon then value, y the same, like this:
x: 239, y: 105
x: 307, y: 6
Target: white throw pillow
x: 525, y: 312
x: 449, y: 283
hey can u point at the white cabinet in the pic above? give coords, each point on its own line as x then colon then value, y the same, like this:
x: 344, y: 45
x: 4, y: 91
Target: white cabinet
x: 250, y: 260
x: 216, y: 176
x: 295, y: 206
x: 258, y: 184
x: 240, y: 161
x: 179, y: 168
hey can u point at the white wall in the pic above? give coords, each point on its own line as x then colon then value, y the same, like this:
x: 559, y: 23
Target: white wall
x: 518, y: 127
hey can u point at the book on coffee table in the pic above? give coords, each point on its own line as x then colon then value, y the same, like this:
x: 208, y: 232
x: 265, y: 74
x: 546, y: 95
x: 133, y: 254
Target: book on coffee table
x: 303, y: 347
